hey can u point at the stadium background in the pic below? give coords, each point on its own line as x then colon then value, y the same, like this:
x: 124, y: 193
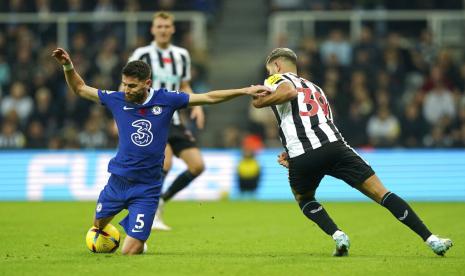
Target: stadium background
x: 394, y: 73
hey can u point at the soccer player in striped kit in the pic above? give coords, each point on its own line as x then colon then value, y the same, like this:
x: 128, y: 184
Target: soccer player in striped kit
x: 314, y: 147
x: 171, y: 69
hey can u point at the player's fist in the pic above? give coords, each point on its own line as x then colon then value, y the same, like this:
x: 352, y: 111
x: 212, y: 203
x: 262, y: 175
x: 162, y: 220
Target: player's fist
x: 283, y: 159
x: 61, y: 56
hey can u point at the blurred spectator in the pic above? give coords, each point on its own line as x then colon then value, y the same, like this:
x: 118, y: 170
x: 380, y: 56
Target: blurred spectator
x: 74, y: 6
x: 76, y: 111
x: 360, y: 94
x: 19, y: 6
x: 394, y: 67
x: 438, y: 103
x: 437, y: 138
x: 107, y: 60
x: 353, y: 126
x: 10, y: 136
x: 336, y: 47
x: 18, y: 101
x: 132, y: 6
x: 44, y: 111
x: 309, y: 47
x: 4, y: 73
x: 414, y: 127
x: 383, y: 128
x: 396, y: 42
x: 35, y: 135
x: 69, y: 138
x: 426, y: 48
x: 367, y: 45
x: 460, y: 140
x: 450, y: 72
x: 92, y: 136
x: 248, y: 173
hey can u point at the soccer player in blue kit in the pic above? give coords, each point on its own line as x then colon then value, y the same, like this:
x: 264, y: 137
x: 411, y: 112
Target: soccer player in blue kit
x: 143, y: 116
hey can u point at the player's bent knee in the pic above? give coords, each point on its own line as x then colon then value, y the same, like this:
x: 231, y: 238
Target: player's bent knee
x: 302, y: 199
x: 197, y: 170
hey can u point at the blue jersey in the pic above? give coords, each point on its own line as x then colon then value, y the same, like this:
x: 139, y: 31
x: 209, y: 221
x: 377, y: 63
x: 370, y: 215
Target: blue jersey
x: 143, y: 131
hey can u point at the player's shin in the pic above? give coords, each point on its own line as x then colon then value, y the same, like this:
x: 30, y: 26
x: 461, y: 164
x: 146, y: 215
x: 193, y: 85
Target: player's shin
x: 313, y: 210
x: 405, y: 214
x: 179, y: 183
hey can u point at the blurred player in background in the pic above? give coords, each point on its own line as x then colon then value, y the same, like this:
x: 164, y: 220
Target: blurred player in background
x: 171, y: 69
x: 143, y: 116
x: 314, y: 147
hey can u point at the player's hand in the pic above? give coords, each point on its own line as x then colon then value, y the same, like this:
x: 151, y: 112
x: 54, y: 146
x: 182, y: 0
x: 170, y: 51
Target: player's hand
x: 199, y: 117
x: 258, y: 90
x: 283, y: 159
x: 61, y: 56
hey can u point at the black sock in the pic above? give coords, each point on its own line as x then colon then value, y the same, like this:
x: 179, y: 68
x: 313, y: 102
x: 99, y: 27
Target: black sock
x: 314, y: 211
x: 402, y: 211
x: 179, y: 183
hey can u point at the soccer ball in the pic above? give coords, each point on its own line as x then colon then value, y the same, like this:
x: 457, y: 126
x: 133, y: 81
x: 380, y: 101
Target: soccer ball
x: 103, y: 241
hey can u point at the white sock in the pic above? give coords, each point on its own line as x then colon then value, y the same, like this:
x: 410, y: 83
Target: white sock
x: 432, y: 238
x: 337, y: 233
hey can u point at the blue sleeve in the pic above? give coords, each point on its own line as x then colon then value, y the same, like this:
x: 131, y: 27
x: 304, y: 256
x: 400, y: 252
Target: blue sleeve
x: 105, y: 96
x: 177, y: 99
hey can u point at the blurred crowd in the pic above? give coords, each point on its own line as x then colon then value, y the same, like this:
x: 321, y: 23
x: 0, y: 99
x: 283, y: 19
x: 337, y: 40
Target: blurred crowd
x: 36, y: 110
x: 317, y: 5
x: 385, y: 91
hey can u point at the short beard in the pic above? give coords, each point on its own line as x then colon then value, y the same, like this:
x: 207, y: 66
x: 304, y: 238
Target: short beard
x: 135, y: 98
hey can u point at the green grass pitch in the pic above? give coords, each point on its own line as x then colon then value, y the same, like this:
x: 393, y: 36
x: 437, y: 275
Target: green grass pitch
x: 231, y: 238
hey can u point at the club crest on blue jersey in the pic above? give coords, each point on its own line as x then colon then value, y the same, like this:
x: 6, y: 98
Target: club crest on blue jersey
x: 156, y: 110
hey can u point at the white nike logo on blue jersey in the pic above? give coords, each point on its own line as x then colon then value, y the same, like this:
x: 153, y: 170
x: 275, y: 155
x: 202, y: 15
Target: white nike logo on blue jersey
x: 127, y: 108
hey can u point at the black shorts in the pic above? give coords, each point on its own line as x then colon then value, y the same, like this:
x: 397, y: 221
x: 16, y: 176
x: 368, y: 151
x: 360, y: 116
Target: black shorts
x: 336, y: 159
x: 180, y: 138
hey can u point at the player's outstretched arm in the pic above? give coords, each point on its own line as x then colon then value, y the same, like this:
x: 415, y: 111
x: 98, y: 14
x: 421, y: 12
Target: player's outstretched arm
x: 219, y: 96
x: 285, y: 92
x: 74, y: 80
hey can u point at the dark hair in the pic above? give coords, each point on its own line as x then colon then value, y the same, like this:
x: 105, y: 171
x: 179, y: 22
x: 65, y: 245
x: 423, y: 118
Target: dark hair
x: 285, y: 53
x: 138, y: 69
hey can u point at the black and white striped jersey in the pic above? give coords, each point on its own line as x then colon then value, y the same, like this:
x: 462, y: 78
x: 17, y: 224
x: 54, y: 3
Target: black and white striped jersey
x: 169, y: 66
x: 306, y: 122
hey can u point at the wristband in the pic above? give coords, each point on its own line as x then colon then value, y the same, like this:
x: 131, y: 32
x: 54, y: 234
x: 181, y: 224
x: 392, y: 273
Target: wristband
x: 68, y: 67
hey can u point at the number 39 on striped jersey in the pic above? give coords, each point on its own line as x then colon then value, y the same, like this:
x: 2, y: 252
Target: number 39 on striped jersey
x: 314, y: 101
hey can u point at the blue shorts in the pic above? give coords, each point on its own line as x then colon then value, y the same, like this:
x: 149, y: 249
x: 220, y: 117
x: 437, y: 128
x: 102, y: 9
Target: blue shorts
x: 140, y: 199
